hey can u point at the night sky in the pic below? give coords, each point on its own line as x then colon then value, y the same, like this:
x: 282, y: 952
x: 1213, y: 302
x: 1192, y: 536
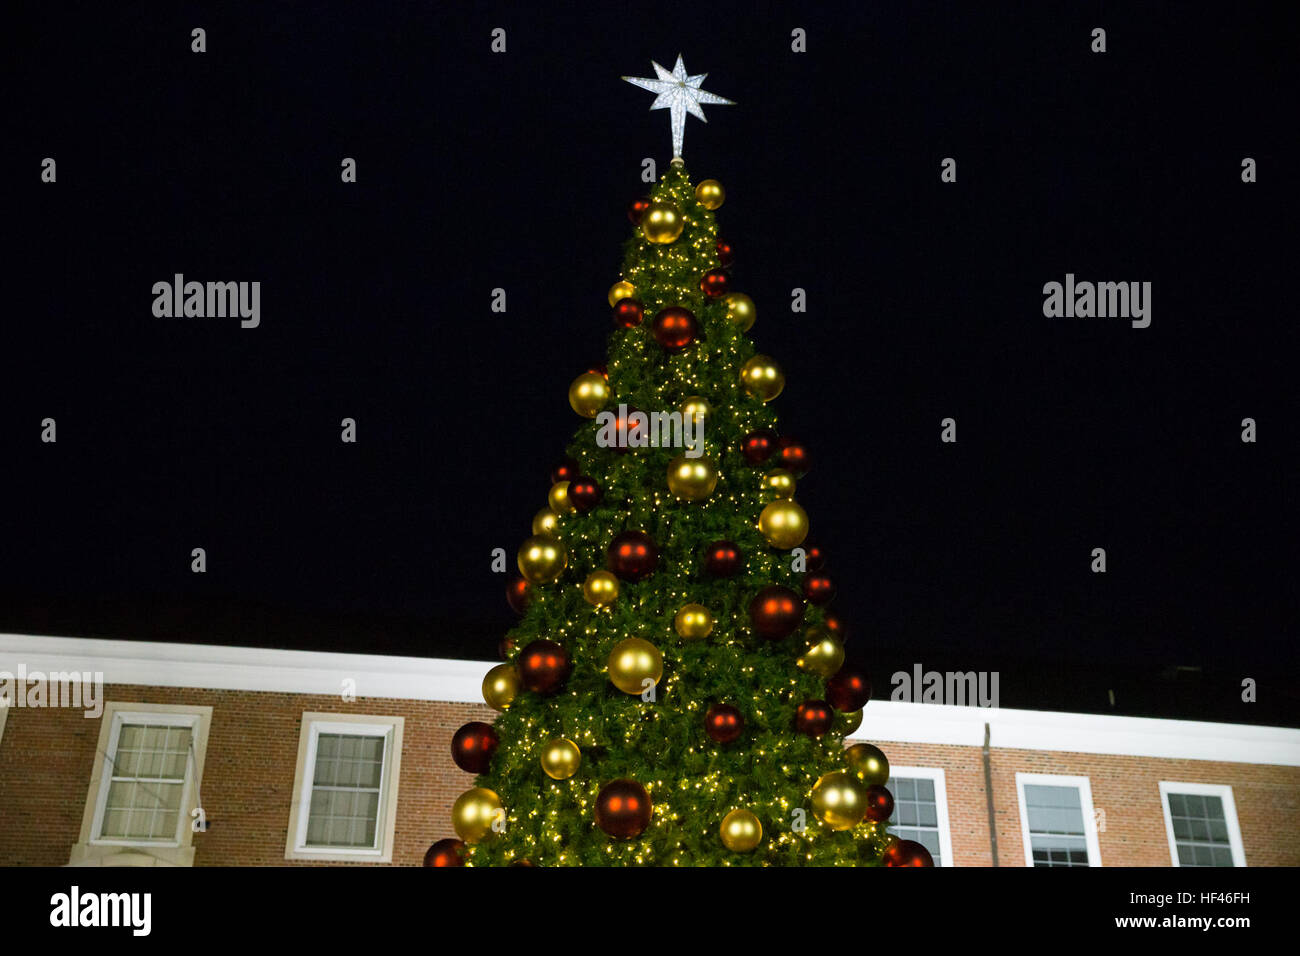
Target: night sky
x: 479, y: 170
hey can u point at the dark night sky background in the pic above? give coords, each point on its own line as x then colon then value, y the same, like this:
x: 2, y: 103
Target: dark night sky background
x: 479, y: 170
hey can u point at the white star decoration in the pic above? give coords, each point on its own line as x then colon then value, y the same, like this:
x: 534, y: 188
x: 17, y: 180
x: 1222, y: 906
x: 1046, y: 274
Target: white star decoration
x: 679, y: 93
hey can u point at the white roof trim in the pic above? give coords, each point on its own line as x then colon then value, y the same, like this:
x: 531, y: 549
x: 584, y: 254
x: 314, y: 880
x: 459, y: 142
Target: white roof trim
x: 426, y: 678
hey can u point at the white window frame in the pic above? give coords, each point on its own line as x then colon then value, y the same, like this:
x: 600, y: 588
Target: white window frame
x: 91, y: 849
x: 1085, y: 804
x: 313, y: 725
x: 940, y: 781
x: 1221, y: 790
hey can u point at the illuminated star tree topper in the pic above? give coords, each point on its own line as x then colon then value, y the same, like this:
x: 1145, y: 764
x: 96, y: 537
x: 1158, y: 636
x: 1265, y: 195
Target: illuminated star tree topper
x: 679, y: 93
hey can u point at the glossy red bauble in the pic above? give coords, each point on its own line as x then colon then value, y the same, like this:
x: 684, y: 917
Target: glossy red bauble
x: 714, y: 283
x: 907, y: 853
x: 833, y: 623
x: 757, y: 447
x: 623, y: 809
x: 518, y: 594
x: 543, y: 666
x: 848, y: 690
x: 445, y: 853
x: 726, y: 255
x: 814, y: 559
x: 880, y: 803
x: 775, y: 612
x: 675, y: 328
x: 566, y: 470
x: 636, y: 209
x: 723, y: 723
x: 633, y: 556
x: 813, y: 717
x: 818, y: 588
x: 792, y: 455
x: 628, y: 313
x: 722, y: 559
x: 584, y: 493
x: 473, y: 746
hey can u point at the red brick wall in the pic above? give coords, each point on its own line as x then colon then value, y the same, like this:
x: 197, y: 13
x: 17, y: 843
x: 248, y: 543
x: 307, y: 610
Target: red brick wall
x: 47, y: 756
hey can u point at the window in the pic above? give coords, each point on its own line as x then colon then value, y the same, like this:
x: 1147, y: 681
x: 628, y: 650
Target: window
x: 1057, y: 821
x: 145, y: 785
x: 921, y: 810
x: 346, y: 788
x: 1201, y: 824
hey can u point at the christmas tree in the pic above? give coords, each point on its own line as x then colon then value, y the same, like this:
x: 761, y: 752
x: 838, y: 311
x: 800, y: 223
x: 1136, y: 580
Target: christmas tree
x: 673, y: 693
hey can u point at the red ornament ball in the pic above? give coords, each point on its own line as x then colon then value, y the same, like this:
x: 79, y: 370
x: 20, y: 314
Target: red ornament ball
x: 636, y: 209
x: 675, y: 328
x: 518, y: 594
x: 633, y: 556
x: 722, y: 559
x: 544, y: 666
x: 907, y: 853
x: 814, y: 559
x: 757, y: 447
x: 792, y: 455
x: 628, y: 313
x: 832, y: 622
x: 813, y: 717
x: 723, y: 723
x: 585, y: 493
x: 598, y: 370
x: 726, y: 255
x: 880, y: 803
x: 818, y: 588
x: 775, y: 612
x: 566, y: 470
x: 848, y: 690
x: 623, y: 809
x: 628, y: 432
x: 714, y: 283
x: 473, y: 746
x: 522, y: 861
x: 445, y: 853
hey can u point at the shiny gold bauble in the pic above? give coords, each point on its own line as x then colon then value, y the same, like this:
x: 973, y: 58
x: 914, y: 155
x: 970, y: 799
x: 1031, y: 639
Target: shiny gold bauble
x: 868, y: 763
x: 710, y: 194
x: 762, y: 377
x: 622, y: 289
x: 541, y: 559
x: 588, y: 394
x: 780, y: 481
x: 691, y: 478
x: 839, y: 800
x: 473, y: 812
x: 558, y: 499
x: 631, y: 662
x: 783, y: 523
x: 662, y: 222
x: 600, y: 589
x: 545, y: 522
x: 696, y: 409
x: 823, y: 653
x: 693, y: 622
x: 740, y: 310
x: 741, y: 831
x: 501, y: 686
x: 849, y: 722
x: 561, y: 758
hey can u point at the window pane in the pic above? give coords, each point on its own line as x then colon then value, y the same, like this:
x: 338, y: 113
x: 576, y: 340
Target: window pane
x: 1200, y: 830
x: 344, y: 807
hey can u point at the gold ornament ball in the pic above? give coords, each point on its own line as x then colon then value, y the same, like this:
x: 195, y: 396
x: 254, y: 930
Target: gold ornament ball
x: 762, y: 377
x: 631, y: 662
x: 622, y: 289
x: 783, y: 523
x: 561, y: 758
x: 545, y: 522
x: 588, y: 394
x: 741, y: 310
x: 780, y: 481
x: 710, y: 194
x: 542, y: 559
x: 692, y: 478
x: 868, y: 763
x: 600, y: 589
x: 696, y: 409
x: 558, y: 499
x: 741, y: 831
x: 850, y: 722
x: 693, y: 622
x: 823, y: 653
x: 839, y: 800
x: 501, y: 686
x: 473, y: 812
x: 662, y: 223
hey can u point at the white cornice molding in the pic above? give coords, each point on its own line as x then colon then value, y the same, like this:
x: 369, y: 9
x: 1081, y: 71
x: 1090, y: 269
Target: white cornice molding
x: 428, y: 678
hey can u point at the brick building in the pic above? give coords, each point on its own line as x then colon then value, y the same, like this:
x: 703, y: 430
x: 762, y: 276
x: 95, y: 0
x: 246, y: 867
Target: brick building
x: 200, y: 755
